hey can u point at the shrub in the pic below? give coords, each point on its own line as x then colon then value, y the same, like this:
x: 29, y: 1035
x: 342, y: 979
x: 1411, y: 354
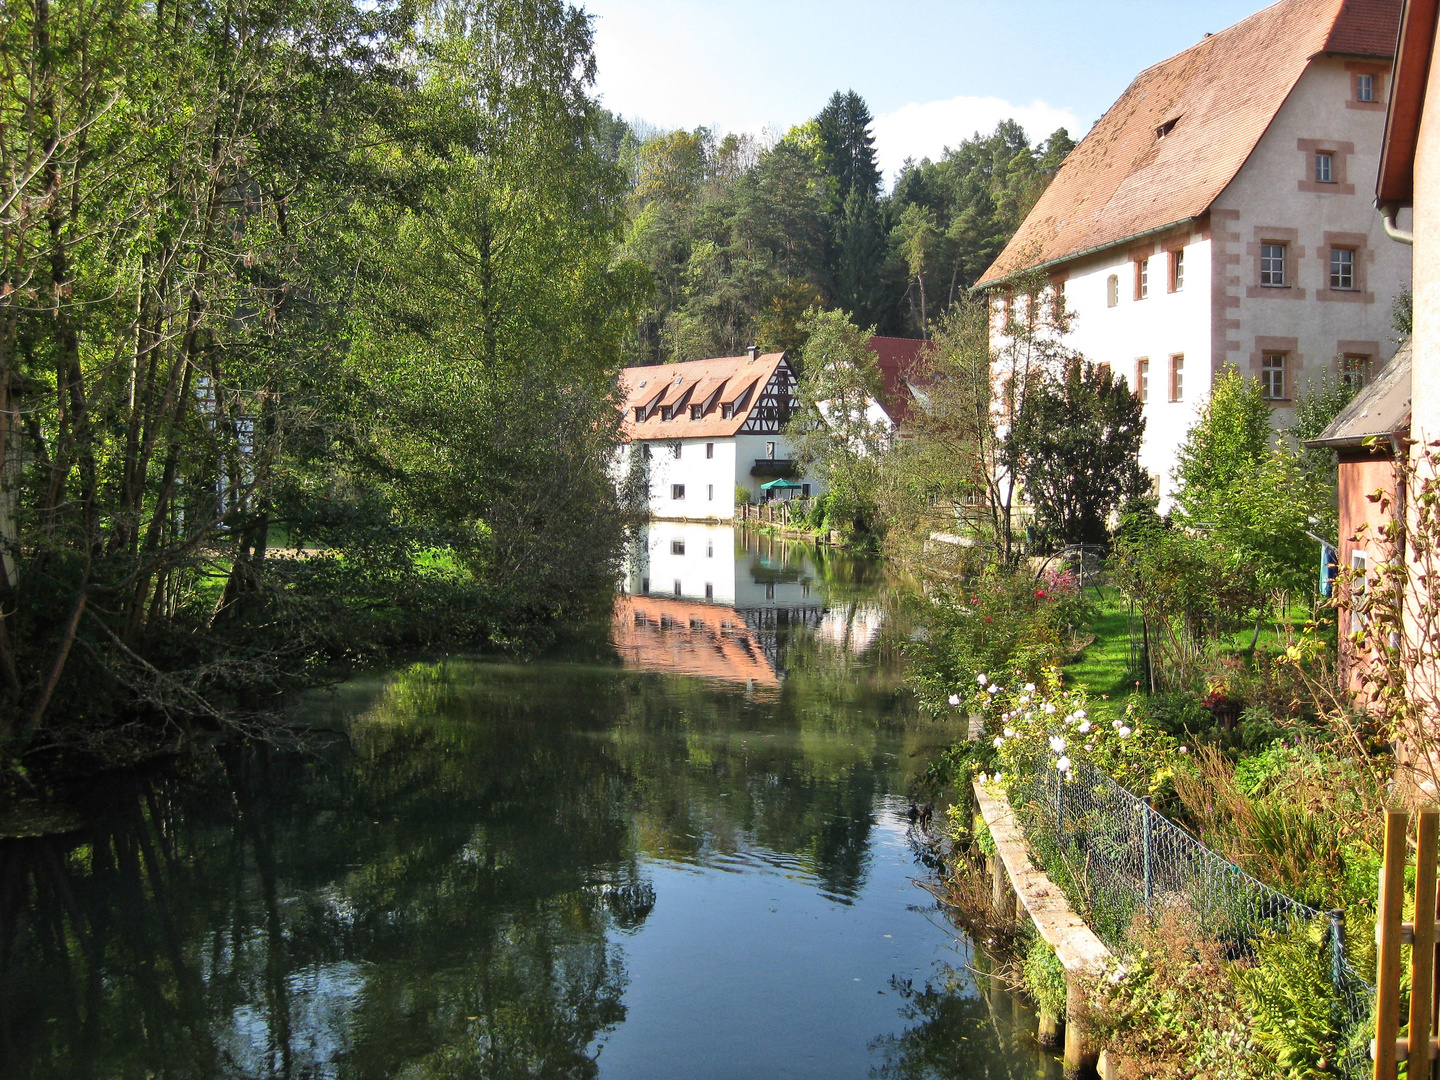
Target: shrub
x: 1004, y: 621
x: 1043, y: 977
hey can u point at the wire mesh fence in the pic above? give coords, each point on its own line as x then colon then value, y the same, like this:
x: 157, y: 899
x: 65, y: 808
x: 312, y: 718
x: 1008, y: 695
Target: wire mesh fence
x: 1111, y: 849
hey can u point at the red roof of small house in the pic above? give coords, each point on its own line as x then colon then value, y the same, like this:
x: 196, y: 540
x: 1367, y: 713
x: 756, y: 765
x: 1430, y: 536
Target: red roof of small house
x: 1414, y: 54
x: 897, y: 359
x: 711, y: 384
x: 1165, y: 151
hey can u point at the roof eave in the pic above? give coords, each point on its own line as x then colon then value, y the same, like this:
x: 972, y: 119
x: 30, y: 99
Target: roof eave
x: 1395, y: 183
x: 1084, y: 253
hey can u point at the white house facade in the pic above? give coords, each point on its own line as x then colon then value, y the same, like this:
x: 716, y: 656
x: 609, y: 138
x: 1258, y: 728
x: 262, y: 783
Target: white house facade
x: 1220, y: 215
x: 699, y: 432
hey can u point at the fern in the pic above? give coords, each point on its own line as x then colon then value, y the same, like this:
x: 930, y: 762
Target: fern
x: 1291, y: 1002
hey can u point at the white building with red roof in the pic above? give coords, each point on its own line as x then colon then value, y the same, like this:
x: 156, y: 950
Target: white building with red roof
x: 1220, y: 214
x: 697, y: 431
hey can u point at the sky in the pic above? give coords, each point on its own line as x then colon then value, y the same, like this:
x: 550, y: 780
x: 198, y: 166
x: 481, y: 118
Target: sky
x: 932, y: 71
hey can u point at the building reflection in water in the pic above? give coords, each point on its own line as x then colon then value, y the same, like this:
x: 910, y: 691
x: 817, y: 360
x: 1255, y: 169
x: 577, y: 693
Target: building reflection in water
x: 721, y: 602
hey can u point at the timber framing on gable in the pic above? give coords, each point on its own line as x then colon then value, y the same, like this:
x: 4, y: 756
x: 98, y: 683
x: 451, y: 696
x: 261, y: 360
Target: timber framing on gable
x: 774, y: 406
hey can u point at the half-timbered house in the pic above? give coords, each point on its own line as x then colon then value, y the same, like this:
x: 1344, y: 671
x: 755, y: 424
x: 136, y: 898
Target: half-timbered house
x: 699, y: 433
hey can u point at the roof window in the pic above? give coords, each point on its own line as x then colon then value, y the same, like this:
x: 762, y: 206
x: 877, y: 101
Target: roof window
x: 1167, y: 127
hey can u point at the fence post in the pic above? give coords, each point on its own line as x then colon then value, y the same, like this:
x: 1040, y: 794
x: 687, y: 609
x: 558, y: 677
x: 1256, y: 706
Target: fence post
x: 1390, y: 910
x: 1337, y: 947
x: 1422, y: 955
x: 1145, y: 812
x: 1059, y: 807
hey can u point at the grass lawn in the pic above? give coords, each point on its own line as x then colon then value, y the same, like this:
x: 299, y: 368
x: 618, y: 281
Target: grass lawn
x: 1103, y: 667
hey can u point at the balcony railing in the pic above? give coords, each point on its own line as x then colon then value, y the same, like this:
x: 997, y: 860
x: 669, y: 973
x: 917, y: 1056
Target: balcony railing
x: 775, y: 468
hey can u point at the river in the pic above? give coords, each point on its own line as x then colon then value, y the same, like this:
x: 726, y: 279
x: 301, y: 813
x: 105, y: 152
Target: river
x: 683, y: 851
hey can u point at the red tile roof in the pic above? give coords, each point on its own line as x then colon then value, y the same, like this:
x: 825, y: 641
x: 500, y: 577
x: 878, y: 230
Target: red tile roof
x: 715, y: 383
x: 683, y: 637
x: 1123, y: 180
x: 897, y: 358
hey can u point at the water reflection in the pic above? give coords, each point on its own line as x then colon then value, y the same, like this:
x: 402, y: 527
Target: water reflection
x: 542, y: 870
x: 722, y: 602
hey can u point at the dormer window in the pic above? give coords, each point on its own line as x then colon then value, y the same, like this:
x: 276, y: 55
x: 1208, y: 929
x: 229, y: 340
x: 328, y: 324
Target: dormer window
x: 727, y: 412
x: 1167, y: 127
x: 695, y: 411
x: 639, y: 413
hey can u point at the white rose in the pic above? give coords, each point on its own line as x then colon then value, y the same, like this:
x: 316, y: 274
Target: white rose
x: 1049, y: 708
x: 1125, y: 733
x: 993, y: 689
x: 1080, y: 714
x: 1009, y: 733
x: 1063, y: 764
x: 954, y: 699
x: 1084, y: 727
x: 999, y: 742
x: 981, y: 679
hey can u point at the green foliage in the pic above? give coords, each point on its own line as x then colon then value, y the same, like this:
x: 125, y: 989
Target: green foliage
x: 1043, y: 977
x: 833, y: 430
x: 342, y: 268
x: 1402, y: 313
x: 1292, y: 1002
x: 1079, y: 440
x: 1004, y: 622
x: 740, y: 238
x: 1230, y: 439
x: 1257, y: 504
x: 1315, y: 407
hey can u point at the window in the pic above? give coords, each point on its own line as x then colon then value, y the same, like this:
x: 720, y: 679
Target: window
x: 1272, y: 265
x: 727, y: 412
x: 695, y: 411
x: 1167, y: 127
x: 1360, y: 564
x: 1342, y: 268
x: 1324, y: 167
x: 677, y: 547
x: 677, y: 492
x: 1102, y: 368
x: 644, y: 584
x: 675, y: 449
x: 639, y: 413
x: 1142, y: 379
x: 1272, y: 376
x: 1364, y: 87
x: 1354, y: 371
x: 709, y: 549
x: 1142, y: 279
x: 1177, y: 270
x: 770, y: 451
x: 1112, y: 290
x: 769, y: 590
x: 677, y: 586
x: 709, y: 450
x: 805, y: 490
x: 1177, y: 378
x: 805, y: 591
x: 709, y: 590
x: 710, y: 492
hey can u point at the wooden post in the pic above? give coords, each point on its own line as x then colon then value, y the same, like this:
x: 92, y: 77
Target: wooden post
x: 1002, y: 896
x: 1081, y: 1054
x: 1422, y: 962
x: 1050, y: 1034
x: 1390, y: 911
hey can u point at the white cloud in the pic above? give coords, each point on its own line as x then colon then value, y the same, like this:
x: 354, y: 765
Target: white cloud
x: 925, y: 129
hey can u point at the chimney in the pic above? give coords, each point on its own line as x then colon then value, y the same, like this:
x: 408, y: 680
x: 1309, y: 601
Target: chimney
x: 754, y: 351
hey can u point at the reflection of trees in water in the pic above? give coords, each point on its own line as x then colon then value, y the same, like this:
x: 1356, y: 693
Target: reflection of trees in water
x: 944, y: 1040
x: 428, y: 907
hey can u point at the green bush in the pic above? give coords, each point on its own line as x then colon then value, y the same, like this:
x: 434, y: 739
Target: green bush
x: 1292, y: 1003
x: 1006, y: 621
x: 1044, y: 977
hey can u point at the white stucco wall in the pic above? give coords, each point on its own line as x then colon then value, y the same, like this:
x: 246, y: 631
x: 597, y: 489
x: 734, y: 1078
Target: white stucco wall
x: 698, y: 561
x: 1274, y: 197
x: 1162, y: 325
x: 1222, y: 316
x: 709, y: 482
